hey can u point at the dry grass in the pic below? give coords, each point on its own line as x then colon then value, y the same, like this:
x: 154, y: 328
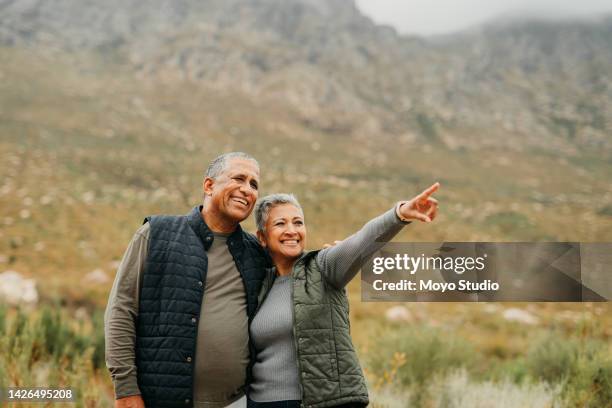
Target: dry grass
x: 565, y: 360
x: 90, y: 150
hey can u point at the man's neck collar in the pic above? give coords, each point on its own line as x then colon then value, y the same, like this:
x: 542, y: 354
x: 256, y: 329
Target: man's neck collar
x: 215, y: 223
x: 203, y: 231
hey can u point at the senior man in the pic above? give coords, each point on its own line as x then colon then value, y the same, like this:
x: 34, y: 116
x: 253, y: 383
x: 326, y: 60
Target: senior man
x: 176, y: 324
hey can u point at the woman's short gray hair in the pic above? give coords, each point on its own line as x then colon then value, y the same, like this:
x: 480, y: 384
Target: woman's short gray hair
x: 264, y: 205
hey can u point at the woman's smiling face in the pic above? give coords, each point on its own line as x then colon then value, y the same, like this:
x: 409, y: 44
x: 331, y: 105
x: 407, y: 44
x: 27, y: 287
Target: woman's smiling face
x: 285, y: 232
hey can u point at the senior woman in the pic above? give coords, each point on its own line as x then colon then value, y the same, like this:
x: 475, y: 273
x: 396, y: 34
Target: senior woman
x: 304, y: 354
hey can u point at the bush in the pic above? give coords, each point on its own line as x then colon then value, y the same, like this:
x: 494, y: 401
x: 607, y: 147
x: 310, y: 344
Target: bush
x: 458, y: 390
x: 415, y: 358
x: 581, y: 367
x: 2, y: 320
x: 514, y: 370
x: 606, y: 210
x: 591, y: 386
x: 553, y: 359
x: 97, y: 341
x: 602, y: 385
x: 47, y: 348
x: 508, y: 221
x: 59, y: 338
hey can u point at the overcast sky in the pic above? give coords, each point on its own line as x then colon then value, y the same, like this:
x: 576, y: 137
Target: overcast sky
x: 427, y: 17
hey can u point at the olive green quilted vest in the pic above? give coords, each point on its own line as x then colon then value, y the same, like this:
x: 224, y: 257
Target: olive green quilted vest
x: 329, y: 370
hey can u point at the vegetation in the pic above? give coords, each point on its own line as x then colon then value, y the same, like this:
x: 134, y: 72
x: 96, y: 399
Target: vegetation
x: 443, y: 359
x: 48, y: 348
x: 447, y: 366
x: 89, y: 151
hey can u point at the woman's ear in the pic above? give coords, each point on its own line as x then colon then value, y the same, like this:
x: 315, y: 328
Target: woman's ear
x: 262, y: 238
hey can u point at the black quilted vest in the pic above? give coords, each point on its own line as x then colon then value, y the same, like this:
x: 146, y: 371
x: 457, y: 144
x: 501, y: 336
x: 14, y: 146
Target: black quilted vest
x: 171, y: 297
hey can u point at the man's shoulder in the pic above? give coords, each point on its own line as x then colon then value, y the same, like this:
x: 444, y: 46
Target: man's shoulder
x: 252, y: 243
x: 144, y: 230
x: 250, y: 238
x: 163, y: 219
x: 161, y: 225
x: 167, y: 219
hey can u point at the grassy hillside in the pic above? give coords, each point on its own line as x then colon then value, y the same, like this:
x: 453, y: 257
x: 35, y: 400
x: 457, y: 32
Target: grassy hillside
x: 89, y: 149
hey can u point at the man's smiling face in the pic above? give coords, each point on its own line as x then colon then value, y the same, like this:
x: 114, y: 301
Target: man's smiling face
x: 235, y: 190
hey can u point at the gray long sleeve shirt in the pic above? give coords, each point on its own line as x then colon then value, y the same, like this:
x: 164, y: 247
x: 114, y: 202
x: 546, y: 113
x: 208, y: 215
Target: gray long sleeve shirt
x: 222, y: 353
x: 275, y: 373
x: 121, y: 313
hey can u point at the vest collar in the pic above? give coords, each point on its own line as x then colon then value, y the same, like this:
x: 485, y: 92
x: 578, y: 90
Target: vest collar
x: 305, y: 257
x: 201, y: 229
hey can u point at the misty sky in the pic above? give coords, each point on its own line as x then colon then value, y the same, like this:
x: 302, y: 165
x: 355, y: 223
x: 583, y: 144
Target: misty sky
x: 427, y: 17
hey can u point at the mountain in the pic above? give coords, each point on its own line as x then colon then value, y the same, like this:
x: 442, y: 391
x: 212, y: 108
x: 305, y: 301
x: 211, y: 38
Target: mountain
x: 529, y: 84
x: 525, y: 84
x: 111, y: 110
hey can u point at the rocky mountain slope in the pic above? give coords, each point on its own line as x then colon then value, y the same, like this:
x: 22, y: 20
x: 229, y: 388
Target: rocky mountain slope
x: 523, y: 85
x: 110, y: 111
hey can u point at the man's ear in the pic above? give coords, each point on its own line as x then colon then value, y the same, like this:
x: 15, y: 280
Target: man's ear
x: 262, y: 239
x: 208, y: 185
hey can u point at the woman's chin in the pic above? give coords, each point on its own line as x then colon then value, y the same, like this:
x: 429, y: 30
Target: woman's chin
x: 293, y: 253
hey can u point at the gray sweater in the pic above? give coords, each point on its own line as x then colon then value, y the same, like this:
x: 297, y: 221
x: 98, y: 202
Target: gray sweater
x: 275, y: 373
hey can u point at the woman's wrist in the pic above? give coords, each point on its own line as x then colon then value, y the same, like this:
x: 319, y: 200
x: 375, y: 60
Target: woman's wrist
x: 398, y: 212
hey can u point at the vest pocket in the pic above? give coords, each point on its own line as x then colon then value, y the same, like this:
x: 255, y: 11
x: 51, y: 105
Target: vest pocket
x: 333, y: 358
x: 318, y: 379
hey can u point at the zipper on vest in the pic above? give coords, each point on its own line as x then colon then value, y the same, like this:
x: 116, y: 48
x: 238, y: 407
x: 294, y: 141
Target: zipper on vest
x: 295, y: 341
x: 195, y: 348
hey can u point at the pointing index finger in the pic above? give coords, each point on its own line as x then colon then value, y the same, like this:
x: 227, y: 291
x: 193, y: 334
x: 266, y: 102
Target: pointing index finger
x: 429, y: 191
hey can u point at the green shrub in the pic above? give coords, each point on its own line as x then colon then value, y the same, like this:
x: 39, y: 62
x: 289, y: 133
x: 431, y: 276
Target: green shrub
x: 602, y: 385
x: 508, y: 221
x: 581, y: 367
x: 514, y: 370
x: 425, y: 354
x: 553, y: 359
x: 427, y: 126
x: 591, y: 386
x: 97, y: 342
x: 47, y: 348
x: 49, y: 336
x: 606, y: 210
x: 16, y: 330
x: 2, y: 320
x: 49, y: 328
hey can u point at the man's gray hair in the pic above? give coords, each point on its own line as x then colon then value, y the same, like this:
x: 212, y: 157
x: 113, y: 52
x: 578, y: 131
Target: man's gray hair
x: 264, y: 205
x: 216, y: 167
